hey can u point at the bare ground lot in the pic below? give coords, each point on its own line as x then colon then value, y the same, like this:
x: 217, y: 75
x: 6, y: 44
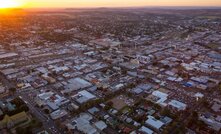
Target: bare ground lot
x: 121, y: 101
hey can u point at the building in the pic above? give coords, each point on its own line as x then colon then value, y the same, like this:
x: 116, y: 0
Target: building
x: 11, y: 121
x: 54, y: 101
x: 162, y: 97
x: 83, y: 96
x: 76, y: 84
x: 58, y: 114
x: 100, y: 125
x: 146, y: 130
x: 82, y: 123
x: 177, y: 104
x: 154, y: 123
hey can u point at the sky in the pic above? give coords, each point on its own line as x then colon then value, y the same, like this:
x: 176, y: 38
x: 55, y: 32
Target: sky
x: 111, y: 3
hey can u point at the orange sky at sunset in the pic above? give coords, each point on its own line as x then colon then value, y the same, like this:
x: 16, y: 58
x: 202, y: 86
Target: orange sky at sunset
x: 104, y: 3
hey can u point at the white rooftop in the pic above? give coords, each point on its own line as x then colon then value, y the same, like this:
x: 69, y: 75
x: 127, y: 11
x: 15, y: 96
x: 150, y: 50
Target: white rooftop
x: 151, y: 121
x: 87, y: 94
x: 76, y: 84
x: 146, y: 130
x: 177, y: 104
x: 100, y: 125
x: 161, y: 95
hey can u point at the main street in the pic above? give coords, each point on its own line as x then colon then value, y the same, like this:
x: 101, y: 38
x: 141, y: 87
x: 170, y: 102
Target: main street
x: 48, y: 123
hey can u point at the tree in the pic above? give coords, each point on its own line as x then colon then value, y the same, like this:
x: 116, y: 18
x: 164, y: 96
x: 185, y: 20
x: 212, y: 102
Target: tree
x: 107, y: 107
x: 131, y: 85
x: 156, y: 106
x: 165, y: 112
x: 18, y: 102
x: 205, y: 103
x: 40, y: 124
x: 129, y: 94
x: 110, y: 103
x: 155, y: 63
x: 24, y: 108
x: 26, y: 130
x: 12, y: 90
x: 166, y: 66
x: 46, y: 111
x: 194, y: 114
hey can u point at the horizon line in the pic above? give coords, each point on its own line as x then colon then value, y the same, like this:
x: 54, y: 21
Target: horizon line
x: 125, y: 7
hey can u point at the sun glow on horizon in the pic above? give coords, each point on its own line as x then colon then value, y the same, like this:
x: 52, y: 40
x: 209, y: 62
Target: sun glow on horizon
x: 103, y: 3
x: 9, y: 4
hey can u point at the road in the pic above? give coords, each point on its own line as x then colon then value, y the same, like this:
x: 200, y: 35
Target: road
x: 48, y: 123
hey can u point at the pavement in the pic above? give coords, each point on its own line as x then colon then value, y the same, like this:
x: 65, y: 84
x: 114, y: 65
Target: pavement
x: 48, y: 124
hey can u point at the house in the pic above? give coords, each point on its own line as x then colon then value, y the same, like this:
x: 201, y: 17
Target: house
x: 137, y: 90
x: 198, y: 95
x: 48, y: 78
x: 100, y: 125
x: 141, y: 88
x: 129, y: 65
x: 216, y: 107
x: 210, y: 121
x: 93, y: 110
x: 166, y: 119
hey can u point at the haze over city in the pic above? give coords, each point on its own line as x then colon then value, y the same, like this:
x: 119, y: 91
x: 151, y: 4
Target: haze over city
x: 105, y: 3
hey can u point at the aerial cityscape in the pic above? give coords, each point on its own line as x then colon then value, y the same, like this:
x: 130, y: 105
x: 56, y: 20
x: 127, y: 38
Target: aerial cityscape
x: 110, y: 70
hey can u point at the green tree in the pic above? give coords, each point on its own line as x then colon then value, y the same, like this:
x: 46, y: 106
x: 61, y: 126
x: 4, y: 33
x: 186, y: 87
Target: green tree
x: 46, y: 111
x: 165, y: 112
x: 12, y: 90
